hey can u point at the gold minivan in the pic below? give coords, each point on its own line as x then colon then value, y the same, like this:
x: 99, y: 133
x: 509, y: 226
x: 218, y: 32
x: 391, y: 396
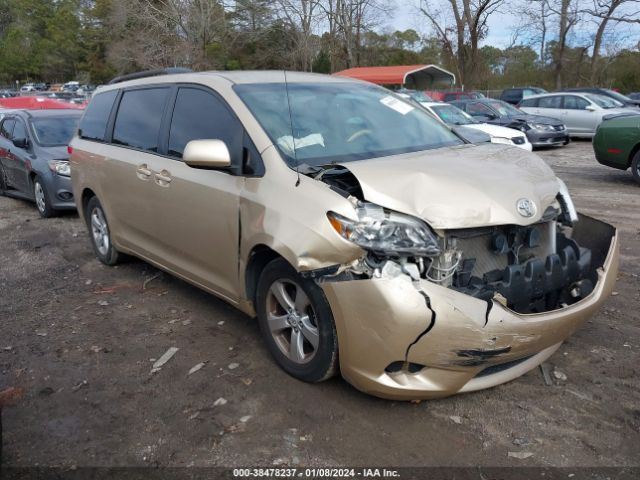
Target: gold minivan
x: 366, y: 237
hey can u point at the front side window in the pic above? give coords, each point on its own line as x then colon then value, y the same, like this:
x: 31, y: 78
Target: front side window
x: 52, y: 131
x: 571, y: 102
x: 139, y: 117
x: 94, y: 122
x: 322, y: 123
x: 19, y: 132
x: 200, y: 115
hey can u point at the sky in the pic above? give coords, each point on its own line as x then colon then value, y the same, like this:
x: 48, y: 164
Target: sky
x: 501, y: 26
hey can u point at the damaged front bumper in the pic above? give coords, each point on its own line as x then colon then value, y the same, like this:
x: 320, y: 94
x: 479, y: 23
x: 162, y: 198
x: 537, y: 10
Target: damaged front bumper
x: 410, y: 339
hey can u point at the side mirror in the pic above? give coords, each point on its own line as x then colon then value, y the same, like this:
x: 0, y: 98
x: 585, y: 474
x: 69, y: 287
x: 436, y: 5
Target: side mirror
x: 207, y: 154
x: 590, y: 108
x: 21, y: 142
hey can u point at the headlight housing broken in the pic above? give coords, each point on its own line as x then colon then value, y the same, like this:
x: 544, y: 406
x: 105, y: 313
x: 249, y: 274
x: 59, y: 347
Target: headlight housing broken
x: 386, y: 232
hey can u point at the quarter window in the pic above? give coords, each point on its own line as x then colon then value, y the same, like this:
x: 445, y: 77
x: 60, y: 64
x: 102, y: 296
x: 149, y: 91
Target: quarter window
x: 200, y: 115
x: 7, y: 128
x: 139, y: 117
x: 93, y: 125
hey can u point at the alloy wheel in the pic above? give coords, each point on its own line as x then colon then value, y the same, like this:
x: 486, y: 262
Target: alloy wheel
x: 292, y: 321
x: 40, y: 198
x: 100, y: 231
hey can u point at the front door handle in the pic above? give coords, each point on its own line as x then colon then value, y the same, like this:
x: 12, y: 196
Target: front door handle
x: 143, y: 172
x: 163, y: 178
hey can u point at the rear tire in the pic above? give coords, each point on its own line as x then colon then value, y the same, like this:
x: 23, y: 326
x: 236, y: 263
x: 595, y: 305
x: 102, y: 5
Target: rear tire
x: 99, y: 233
x: 296, y: 323
x: 635, y: 167
x: 41, y: 197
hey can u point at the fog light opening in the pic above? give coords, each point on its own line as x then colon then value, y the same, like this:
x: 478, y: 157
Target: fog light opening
x: 406, y: 367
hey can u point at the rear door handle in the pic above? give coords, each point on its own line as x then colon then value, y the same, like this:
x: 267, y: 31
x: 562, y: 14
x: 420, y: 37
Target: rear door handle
x: 143, y: 172
x: 163, y: 178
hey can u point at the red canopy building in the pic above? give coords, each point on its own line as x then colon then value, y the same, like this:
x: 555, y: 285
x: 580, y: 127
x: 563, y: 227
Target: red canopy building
x: 416, y: 77
x: 37, y: 103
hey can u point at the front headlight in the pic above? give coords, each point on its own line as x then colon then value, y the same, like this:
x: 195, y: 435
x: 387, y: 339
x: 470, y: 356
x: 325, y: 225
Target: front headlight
x: 501, y: 140
x: 61, y: 167
x: 386, y: 232
x: 542, y: 127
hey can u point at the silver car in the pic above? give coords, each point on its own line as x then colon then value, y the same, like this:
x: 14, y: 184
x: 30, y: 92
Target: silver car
x: 580, y: 112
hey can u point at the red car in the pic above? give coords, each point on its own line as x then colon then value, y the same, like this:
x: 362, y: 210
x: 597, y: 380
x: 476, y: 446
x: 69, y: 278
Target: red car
x: 453, y: 95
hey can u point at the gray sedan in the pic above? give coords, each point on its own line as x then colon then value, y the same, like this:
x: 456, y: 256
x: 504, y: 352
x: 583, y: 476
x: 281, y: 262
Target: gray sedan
x: 34, y: 162
x: 580, y: 112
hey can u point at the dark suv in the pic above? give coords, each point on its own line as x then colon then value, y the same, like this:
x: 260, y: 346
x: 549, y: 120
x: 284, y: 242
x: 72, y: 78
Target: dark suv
x: 516, y: 94
x: 34, y: 162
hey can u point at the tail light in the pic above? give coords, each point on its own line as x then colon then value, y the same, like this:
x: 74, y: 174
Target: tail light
x: 69, y: 149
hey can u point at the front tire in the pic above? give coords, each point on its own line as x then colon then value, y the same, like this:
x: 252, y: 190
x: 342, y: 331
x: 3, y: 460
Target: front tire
x: 635, y: 167
x: 296, y: 322
x: 100, y: 234
x: 42, y: 198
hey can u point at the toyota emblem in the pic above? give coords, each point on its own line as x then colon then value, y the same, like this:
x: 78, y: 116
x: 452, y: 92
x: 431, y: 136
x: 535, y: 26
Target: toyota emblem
x: 526, y: 207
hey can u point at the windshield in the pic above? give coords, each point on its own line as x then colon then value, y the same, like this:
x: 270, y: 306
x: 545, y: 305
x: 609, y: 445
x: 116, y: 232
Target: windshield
x: 453, y: 115
x: 54, y: 131
x: 338, y: 122
x: 602, y: 101
x: 504, y: 108
x: 617, y: 96
x: 419, y: 96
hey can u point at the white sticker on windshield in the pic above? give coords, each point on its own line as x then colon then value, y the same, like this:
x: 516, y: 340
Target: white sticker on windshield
x: 397, y: 105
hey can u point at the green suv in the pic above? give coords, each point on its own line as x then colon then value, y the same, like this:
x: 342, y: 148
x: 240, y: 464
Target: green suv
x: 617, y: 143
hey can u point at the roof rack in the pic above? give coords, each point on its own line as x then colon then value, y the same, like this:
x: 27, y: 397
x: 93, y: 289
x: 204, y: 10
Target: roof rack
x: 148, y: 73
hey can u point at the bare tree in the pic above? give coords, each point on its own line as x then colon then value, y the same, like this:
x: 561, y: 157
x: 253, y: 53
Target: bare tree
x: 349, y: 20
x: 460, y: 26
x: 567, y: 15
x: 606, y: 12
x: 302, y: 17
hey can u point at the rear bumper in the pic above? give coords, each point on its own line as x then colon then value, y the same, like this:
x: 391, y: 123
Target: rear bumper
x: 440, y: 340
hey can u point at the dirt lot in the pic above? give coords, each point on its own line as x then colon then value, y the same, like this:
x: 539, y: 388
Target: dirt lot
x: 80, y: 338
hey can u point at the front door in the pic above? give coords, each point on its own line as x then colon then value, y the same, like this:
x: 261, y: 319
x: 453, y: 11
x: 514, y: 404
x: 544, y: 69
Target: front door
x: 198, y: 210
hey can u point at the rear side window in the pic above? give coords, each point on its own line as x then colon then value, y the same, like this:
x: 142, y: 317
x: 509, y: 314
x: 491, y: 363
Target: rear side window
x: 551, y: 102
x: 529, y: 102
x: 139, y: 117
x: 200, y: 115
x: 93, y: 125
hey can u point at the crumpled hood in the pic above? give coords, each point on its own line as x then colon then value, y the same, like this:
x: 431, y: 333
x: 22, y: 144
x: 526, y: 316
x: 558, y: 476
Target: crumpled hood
x: 531, y: 118
x: 461, y: 187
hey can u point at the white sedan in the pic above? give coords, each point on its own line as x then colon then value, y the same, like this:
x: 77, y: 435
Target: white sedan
x: 453, y: 116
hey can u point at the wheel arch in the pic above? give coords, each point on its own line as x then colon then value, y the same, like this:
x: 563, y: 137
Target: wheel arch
x: 87, y: 194
x: 633, y: 153
x: 259, y: 257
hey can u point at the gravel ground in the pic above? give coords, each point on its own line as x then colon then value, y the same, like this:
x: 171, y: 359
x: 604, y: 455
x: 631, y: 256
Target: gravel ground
x: 80, y: 339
